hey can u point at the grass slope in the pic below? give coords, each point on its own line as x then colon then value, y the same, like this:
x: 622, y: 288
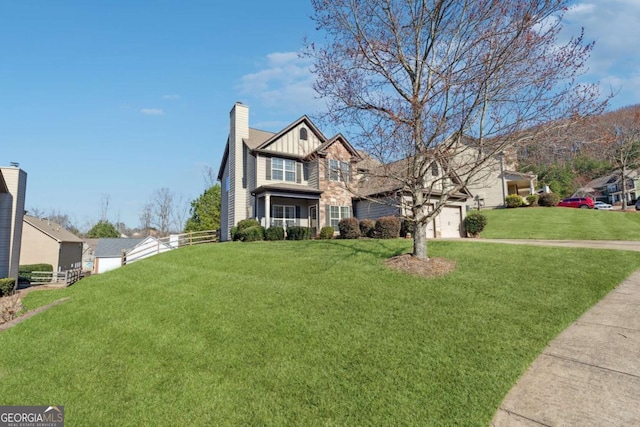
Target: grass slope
x: 561, y: 224
x: 300, y: 333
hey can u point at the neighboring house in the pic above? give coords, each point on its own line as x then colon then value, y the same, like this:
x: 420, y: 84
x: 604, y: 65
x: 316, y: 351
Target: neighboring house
x: 382, y: 184
x: 294, y: 177
x: 608, y: 188
x: 299, y: 177
x: 109, y: 253
x: 45, y: 242
x: 13, y: 186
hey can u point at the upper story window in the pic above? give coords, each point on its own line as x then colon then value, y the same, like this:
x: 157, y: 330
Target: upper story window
x: 303, y: 134
x: 283, y: 169
x: 434, y: 169
x: 338, y: 170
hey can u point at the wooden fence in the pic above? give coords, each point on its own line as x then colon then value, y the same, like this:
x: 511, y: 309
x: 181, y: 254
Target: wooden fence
x: 66, y: 278
x: 164, y: 244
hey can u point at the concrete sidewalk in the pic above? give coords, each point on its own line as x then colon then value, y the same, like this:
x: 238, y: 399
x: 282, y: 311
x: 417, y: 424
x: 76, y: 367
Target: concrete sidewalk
x: 624, y: 245
x: 590, y: 374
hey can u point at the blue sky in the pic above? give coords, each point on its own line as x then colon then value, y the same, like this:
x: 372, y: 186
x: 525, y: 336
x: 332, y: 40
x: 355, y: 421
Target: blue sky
x: 122, y: 98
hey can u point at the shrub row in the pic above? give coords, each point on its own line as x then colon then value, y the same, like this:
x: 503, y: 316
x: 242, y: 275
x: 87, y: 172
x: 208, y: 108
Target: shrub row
x: 6, y: 286
x: 546, y: 199
x: 24, y: 271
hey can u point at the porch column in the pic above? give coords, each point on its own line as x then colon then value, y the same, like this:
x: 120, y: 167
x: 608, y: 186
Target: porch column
x: 267, y: 210
x: 531, y: 187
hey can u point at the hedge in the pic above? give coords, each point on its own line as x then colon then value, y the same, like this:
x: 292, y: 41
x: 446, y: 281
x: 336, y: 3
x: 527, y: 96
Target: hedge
x: 367, y: 227
x: 327, y: 232
x: 349, y: 228
x: 387, y: 227
x: 474, y: 223
x: 251, y: 234
x: 6, y: 286
x: 274, y: 233
x: 548, y: 199
x: 24, y: 271
x: 298, y: 233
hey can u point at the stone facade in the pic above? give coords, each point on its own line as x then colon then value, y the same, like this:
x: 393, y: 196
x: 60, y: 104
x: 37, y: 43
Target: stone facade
x: 335, y: 193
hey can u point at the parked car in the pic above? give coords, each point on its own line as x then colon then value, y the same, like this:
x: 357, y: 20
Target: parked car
x: 602, y: 206
x: 638, y: 205
x: 577, y: 202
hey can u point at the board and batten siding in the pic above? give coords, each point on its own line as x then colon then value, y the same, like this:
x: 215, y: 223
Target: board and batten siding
x: 291, y: 143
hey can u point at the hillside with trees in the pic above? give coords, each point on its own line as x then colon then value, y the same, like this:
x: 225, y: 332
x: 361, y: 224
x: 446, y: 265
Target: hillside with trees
x: 568, y: 157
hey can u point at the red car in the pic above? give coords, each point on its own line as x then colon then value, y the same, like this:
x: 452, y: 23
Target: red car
x: 577, y: 202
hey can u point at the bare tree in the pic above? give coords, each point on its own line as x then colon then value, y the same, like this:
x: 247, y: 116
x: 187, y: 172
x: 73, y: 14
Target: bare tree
x: 439, y: 87
x: 104, y: 206
x: 621, y: 143
x: 180, y: 212
x: 146, y: 218
x: 210, y: 176
x: 163, y: 202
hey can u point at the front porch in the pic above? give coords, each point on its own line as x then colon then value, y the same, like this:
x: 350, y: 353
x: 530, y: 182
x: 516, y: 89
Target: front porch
x: 287, y: 206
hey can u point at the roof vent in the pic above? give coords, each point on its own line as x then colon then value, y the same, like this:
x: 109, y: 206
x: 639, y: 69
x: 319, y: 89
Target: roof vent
x: 14, y: 164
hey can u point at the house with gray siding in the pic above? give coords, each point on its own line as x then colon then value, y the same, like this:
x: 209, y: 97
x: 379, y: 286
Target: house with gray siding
x: 13, y: 186
x: 295, y: 177
x: 300, y: 177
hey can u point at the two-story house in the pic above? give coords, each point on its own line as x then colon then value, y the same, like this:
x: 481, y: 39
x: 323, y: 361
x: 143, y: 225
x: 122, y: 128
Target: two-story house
x: 294, y: 177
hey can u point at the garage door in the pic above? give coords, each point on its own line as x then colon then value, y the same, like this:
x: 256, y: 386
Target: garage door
x: 450, y: 221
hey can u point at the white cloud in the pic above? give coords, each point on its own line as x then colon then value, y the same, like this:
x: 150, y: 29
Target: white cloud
x: 171, y: 97
x: 614, y: 25
x: 284, y: 82
x: 152, y: 111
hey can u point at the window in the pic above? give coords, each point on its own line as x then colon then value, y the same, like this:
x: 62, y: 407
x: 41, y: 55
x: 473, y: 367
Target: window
x: 283, y: 169
x: 338, y: 170
x: 434, y: 169
x: 303, y: 134
x: 336, y: 213
x: 283, y: 216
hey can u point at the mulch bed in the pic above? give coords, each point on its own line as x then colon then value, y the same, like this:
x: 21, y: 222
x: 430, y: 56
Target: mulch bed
x: 432, y: 267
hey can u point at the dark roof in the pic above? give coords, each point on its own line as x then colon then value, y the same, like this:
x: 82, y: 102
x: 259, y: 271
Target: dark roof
x: 257, y: 137
x: 52, y: 229
x: 113, y: 247
x: 287, y: 188
x: 389, y: 178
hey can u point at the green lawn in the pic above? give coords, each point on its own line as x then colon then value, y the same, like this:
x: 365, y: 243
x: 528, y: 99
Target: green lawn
x: 561, y: 223
x: 300, y: 333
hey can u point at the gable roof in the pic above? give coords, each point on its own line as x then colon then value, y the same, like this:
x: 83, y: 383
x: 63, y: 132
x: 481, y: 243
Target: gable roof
x: 113, y: 247
x: 303, y: 119
x: 51, y: 229
x: 322, y: 148
x: 389, y: 178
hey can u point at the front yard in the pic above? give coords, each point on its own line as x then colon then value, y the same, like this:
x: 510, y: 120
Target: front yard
x: 300, y: 333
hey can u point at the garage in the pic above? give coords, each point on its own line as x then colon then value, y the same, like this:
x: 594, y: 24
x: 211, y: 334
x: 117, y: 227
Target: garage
x: 451, y: 221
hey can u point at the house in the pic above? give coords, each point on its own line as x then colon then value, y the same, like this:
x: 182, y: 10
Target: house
x: 110, y: 252
x: 608, y: 188
x: 13, y: 186
x: 380, y: 192
x: 45, y: 242
x: 299, y: 177
x: 293, y: 177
